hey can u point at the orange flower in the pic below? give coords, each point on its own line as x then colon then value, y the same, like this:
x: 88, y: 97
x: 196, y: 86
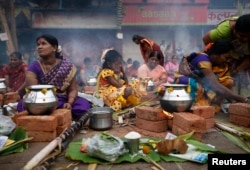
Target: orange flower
x: 145, y: 149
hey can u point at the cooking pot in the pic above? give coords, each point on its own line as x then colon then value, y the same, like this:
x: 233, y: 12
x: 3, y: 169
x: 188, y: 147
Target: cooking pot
x: 92, y: 81
x: 100, y: 118
x: 176, y: 98
x: 3, y: 87
x: 40, y: 99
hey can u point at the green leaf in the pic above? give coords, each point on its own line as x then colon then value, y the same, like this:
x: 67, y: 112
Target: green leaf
x: 203, y: 147
x: 169, y: 158
x: 73, y: 152
x: 186, y: 136
x: 238, y: 141
x: 20, y: 137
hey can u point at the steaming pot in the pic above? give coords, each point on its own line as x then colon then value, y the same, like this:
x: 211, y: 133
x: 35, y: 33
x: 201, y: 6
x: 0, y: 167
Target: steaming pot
x: 176, y: 98
x: 3, y: 87
x: 40, y: 99
x: 91, y: 81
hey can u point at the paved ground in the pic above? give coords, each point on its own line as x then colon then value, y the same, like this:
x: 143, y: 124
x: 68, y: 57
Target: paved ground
x: 213, y: 136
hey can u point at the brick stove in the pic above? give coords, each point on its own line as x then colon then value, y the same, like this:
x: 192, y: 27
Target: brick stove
x: 44, y: 128
x: 153, y: 119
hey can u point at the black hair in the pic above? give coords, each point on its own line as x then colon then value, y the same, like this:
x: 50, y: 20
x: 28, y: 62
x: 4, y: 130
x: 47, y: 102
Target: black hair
x: 17, y: 55
x: 220, y: 47
x: 111, y: 57
x: 136, y: 64
x: 137, y: 37
x: 155, y: 53
x: 243, y: 24
x: 87, y: 60
x: 52, y: 40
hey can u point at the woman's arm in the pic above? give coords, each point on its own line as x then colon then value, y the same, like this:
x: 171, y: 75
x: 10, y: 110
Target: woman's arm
x: 215, y: 85
x: 71, y: 93
x: 31, y: 78
x: 114, y: 82
x: 206, y: 38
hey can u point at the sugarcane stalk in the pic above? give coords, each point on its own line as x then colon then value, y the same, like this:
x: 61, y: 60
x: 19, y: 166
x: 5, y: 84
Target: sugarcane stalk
x: 62, y: 141
x: 226, y: 128
x: 242, y: 136
x: 154, y: 163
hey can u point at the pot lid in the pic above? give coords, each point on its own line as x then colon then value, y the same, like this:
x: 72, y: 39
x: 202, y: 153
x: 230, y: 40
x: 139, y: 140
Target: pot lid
x: 175, y: 85
x: 41, y: 86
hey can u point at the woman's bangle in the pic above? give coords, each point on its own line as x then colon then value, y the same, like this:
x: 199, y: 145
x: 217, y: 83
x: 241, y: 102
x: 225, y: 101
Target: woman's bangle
x: 246, y: 100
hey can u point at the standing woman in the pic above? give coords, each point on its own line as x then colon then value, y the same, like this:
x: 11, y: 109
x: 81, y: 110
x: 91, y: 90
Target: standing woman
x: 15, y: 73
x: 51, y: 68
x: 147, y: 46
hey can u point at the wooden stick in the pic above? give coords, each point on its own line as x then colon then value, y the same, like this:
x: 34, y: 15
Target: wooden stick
x: 62, y: 141
x: 43, y: 153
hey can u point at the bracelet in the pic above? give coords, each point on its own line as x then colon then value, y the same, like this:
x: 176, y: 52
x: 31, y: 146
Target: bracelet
x: 246, y: 100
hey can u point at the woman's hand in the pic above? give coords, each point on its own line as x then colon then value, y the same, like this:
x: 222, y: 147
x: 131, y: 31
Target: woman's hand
x: 67, y: 106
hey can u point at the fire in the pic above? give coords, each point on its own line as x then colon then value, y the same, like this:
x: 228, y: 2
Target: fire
x: 167, y: 113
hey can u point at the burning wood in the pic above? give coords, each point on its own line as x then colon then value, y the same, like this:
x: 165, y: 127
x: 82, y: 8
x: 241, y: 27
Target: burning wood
x: 168, y: 114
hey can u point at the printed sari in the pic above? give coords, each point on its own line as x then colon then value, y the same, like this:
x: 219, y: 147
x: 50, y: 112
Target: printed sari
x: 200, y: 88
x: 113, y: 96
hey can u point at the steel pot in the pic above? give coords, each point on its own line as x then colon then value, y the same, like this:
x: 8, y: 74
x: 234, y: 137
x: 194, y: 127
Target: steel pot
x: 100, y: 118
x: 91, y: 81
x: 3, y: 87
x: 176, y: 98
x: 40, y: 99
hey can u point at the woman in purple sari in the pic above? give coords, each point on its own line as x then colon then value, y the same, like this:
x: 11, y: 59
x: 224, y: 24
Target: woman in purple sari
x: 52, y: 69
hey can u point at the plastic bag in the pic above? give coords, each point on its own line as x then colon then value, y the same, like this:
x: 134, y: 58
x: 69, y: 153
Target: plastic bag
x: 92, y: 99
x: 105, y: 146
x: 6, y: 125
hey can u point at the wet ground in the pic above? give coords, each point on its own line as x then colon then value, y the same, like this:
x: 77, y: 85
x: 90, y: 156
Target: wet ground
x: 212, y: 136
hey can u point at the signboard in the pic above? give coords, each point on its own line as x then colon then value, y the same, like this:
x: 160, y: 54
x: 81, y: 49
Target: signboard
x: 156, y: 1
x: 164, y: 15
x: 55, y: 19
x: 217, y: 15
x: 166, y: 1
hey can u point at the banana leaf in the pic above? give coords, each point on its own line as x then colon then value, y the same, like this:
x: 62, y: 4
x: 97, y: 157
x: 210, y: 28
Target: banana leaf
x: 204, y: 147
x: 20, y: 137
x: 73, y: 153
x: 238, y: 141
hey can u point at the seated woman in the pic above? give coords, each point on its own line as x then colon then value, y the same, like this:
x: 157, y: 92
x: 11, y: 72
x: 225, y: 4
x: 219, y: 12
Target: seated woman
x: 51, y: 69
x: 112, y: 83
x: 88, y: 69
x: 133, y: 69
x: 153, y: 69
x: 214, y: 82
x: 171, y: 67
x: 15, y: 73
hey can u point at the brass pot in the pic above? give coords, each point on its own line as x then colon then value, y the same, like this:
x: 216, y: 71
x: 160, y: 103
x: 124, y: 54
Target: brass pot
x: 40, y: 99
x: 176, y: 98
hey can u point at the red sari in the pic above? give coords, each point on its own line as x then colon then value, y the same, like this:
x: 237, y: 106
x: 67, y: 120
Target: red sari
x: 16, y: 75
x: 147, y: 46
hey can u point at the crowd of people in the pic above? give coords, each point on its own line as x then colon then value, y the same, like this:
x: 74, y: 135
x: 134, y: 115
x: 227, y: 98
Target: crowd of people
x: 226, y: 52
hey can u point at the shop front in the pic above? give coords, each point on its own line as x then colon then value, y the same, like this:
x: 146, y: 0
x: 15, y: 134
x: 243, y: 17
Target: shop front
x: 80, y: 33
x: 180, y: 23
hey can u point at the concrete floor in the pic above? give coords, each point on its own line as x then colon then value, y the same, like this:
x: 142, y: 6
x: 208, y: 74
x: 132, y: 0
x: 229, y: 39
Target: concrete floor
x: 212, y: 136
